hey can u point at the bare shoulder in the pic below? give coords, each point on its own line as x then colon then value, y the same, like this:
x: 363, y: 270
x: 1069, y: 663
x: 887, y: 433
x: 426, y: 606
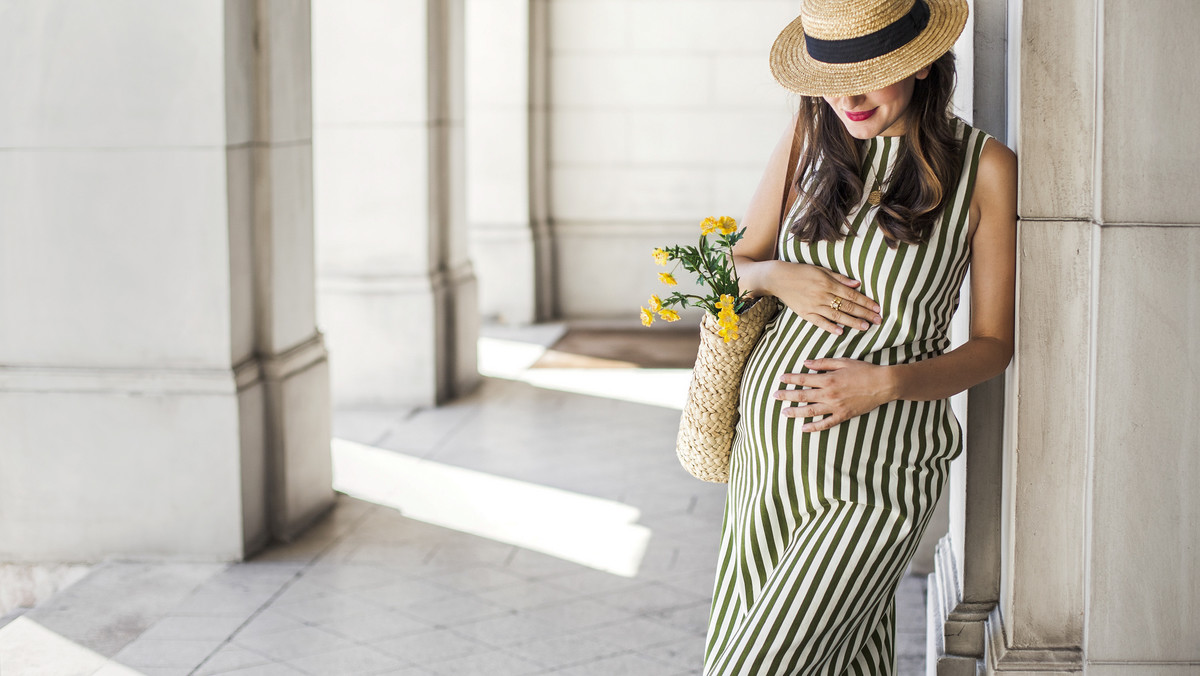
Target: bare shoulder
x: 997, y: 163
x: 997, y: 173
x: 994, y: 201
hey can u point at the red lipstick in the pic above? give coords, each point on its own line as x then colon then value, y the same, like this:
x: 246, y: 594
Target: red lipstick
x: 860, y: 116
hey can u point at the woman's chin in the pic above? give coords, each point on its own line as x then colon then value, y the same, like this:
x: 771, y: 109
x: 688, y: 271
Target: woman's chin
x: 861, y: 133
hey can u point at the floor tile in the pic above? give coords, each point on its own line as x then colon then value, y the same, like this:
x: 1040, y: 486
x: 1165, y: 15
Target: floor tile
x: 454, y: 610
x: 577, y: 614
x: 638, y: 634
x: 229, y: 658
x: 620, y: 665
x: 272, y: 669
x: 117, y: 601
x: 300, y: 590
x: 430, y: 647
x: 491, y: 663
x: 691, y: 618
x: 562, y: 651
x: 683, y: 654
x: 113, y: 669
x: 476, y: 578
x: 373, y: 625
x: 471, y: 555
x: 149, y: 652
x: 415, y: 554
x: 650, y: 598
x: 509, y: 629
x: 194, y: 627
x: 268, y: 621
x: 588, y: 582
x: 349, y: 578
x: 525, y: 595
x: 403, y: 592
x: 117, y: 669
x: 537, y: 565
x: 292, y: 643
x: 325, y: 607
x: 351, y: 661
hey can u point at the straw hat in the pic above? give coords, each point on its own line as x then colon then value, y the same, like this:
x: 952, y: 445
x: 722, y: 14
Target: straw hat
x: 849, y: 47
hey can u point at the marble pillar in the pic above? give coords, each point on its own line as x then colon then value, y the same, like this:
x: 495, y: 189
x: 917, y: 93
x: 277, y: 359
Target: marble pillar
x: 508, y: 223
x: 163, y: 385
x: 397, y: 292
x: 1098, y: 536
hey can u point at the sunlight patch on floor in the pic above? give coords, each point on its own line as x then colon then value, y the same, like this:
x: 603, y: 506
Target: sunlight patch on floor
x: 511, y: 360
x: 27, y: 647
x: 602, y: 534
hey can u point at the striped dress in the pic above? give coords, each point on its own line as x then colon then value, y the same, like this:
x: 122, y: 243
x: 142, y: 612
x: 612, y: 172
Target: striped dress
x: 819, y: 527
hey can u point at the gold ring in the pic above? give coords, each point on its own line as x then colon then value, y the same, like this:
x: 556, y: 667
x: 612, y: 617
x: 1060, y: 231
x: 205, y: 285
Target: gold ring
x: 836, y: 303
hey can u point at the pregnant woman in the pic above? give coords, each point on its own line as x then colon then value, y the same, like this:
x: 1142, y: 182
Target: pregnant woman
x: 846, y: 434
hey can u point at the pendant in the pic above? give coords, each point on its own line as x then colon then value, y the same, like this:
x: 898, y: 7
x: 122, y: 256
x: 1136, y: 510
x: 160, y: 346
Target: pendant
x: 875, y: 197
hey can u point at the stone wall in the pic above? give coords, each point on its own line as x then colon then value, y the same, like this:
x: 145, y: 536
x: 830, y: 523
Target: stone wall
x: 660, y: 114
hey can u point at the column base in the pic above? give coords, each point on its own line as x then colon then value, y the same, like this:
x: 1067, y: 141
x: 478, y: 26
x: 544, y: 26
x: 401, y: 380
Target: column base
x: 955, y: 630
x: 298, y: 417
x: 400, y: 341
x: 142, y: 463
x: 513, y: 263
x: 1000, y: 658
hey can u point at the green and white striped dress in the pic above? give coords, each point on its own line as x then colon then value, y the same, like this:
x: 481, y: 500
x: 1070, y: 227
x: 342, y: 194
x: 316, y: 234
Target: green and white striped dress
x: 819, y: 527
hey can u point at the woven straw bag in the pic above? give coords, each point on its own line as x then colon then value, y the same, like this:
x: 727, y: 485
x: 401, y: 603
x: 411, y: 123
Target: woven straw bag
x: 706, y: 428
x: 710, y: 414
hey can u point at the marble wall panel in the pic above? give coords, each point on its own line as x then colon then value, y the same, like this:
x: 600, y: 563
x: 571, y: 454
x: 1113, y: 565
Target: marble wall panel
x: 147, y: 476
x: 288, y: 231
x: 79, y: 74
x: 1150, y: 92
x: 359, y: 72
x: 1146, y: 455
x: 1056, y: 103
x: 1042, y: 598
x: 368, y: 183
x: 115, y: 258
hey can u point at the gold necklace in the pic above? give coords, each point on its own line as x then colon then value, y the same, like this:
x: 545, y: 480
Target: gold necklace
x: 876, y: 195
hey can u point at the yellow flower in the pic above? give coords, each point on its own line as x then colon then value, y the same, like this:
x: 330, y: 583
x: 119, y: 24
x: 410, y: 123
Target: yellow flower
x: 668, y: 315
x: 660, y: 256
x: 727, y: 319
x: 655, y: 303
x: 647, y: 317
x: 726, y: 225
x: 667, y: 278
x: 708, y: 225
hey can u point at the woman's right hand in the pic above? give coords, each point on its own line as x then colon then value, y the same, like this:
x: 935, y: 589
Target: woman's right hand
x: 810, y: 290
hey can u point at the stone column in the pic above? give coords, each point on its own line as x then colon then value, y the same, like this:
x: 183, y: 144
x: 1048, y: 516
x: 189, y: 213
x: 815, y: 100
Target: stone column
x: 506, y: 158
x: 289, y: 351
x: 163, y: 391
x: 1099, y: 537
x: 396, y: 288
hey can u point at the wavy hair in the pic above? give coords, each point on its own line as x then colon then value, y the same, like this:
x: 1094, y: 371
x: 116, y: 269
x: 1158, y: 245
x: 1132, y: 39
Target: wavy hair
x: 925, y: 172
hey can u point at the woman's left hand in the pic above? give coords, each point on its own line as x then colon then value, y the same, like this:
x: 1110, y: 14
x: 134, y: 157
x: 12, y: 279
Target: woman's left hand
x: 845, y: 388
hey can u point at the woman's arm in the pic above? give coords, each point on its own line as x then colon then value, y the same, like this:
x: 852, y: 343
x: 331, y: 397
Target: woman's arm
x: 848, y: 387
x: 808, y: 289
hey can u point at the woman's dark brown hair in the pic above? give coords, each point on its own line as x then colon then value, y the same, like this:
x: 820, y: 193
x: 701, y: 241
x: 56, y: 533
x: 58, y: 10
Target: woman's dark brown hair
x: 924, y: 175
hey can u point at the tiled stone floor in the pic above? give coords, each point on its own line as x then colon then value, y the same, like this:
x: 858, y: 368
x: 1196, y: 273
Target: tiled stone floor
x: 369, y: 590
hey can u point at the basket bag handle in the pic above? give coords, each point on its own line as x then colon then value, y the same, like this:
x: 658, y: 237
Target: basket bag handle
x: 793, y: 156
